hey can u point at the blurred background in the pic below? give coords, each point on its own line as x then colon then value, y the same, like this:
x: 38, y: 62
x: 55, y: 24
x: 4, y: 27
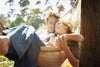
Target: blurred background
x: 31, y: 12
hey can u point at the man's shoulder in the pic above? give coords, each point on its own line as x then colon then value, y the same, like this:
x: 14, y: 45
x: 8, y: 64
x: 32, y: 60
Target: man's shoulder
x: 43, y: 34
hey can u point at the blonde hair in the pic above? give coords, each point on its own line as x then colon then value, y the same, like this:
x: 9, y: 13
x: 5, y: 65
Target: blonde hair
x: 69, y: 24
x: 52, y: 14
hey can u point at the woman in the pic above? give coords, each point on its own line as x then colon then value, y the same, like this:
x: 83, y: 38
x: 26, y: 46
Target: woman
x: 64, y: 28
x: 64, y: 33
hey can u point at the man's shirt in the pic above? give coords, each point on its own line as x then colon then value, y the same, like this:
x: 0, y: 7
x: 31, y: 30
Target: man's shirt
x: 44, y: 35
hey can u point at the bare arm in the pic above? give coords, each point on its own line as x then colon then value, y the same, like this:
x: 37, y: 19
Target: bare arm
x: 5, y: 43
x: 70, y: 57
x: 62, y: 42
x: 74, y: 36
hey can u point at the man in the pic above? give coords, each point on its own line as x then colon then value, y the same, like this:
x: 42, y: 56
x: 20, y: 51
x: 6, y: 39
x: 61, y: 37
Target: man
x: 22, y: 45
x: 51, y: 19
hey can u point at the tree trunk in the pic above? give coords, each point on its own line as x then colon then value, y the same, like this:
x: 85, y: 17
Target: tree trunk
x: 90, y: 29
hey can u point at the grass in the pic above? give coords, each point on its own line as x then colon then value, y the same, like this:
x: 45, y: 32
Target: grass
x: 4, y: 62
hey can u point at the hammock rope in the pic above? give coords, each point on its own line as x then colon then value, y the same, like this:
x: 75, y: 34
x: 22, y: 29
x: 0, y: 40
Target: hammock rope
x: 72, y: 9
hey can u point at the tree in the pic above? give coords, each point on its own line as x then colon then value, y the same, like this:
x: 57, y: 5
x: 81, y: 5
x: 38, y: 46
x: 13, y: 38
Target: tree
x: 90, y: 23
x: 72, y: 2
x: 19, y: 20
x: 24, y: 3
x: 34, y: 18
x: 4, y: 22
x: 4, y: 19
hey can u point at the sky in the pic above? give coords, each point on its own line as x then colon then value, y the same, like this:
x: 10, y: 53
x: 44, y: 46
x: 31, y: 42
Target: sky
x: 4, y: 8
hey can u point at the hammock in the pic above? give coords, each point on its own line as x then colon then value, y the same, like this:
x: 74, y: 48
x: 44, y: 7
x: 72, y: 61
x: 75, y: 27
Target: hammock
x: 54, y: 56
x: 74, y: 15
x: 51, y: 57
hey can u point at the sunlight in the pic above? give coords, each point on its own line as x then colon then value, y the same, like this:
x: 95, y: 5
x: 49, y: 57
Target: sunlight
x: 4, y: 8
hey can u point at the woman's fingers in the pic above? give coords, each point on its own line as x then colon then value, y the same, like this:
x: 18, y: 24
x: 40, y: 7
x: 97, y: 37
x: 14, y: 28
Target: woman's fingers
x: 64, y: 39
x: 56, y: 44
x: 58, y: 41
x: 49, y: 44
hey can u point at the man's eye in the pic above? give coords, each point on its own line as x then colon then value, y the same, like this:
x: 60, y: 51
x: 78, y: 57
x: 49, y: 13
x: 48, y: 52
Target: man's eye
x: 58, y: 23
x: 55, y: 21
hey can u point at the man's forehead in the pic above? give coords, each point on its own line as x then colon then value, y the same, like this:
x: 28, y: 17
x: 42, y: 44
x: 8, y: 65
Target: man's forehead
x: 52, y: 19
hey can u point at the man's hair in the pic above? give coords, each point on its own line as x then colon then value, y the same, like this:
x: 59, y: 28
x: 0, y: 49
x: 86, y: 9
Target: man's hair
x: 52, y: 14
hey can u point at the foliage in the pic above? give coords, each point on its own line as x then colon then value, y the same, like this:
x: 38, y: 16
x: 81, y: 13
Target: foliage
x: 72, y: 2
x: 42, y: 26
x: 3, y: 18
x: 34, y: 18
x: 24, y: 3
x: 17, y: 22
x: 35, y: 22
x: 4, y: 62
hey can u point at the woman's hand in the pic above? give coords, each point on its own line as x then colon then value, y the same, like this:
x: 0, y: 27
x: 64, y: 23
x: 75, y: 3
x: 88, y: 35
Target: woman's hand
x: 61, y: 40
x: 49, y: 44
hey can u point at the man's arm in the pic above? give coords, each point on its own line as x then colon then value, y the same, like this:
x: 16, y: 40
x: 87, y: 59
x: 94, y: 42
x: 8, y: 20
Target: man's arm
x: 74, y: 36
x: 5, y: 43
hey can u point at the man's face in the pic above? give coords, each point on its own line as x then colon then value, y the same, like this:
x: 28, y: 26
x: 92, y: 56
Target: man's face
x: 51, y: 24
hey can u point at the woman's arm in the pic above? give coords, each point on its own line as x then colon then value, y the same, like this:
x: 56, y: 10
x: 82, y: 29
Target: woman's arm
x: 62, y: 42
x: 74, y: 36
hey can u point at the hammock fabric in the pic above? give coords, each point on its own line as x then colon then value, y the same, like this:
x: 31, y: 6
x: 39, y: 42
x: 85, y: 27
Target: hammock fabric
x: 51, y: 57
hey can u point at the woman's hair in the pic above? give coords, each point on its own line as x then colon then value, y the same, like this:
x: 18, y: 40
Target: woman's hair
x: 52, y: 14
x: 69, y: 24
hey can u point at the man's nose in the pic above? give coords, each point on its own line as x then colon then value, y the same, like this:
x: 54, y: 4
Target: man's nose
x: 54, y: 27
